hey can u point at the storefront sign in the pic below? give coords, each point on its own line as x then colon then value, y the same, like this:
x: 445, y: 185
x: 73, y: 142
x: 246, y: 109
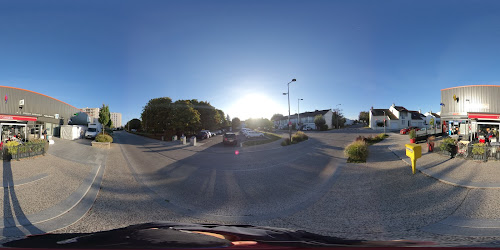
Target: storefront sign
x: 484, y: 116
x: 17, y: 118
x: 35, y: 114
x: 49, y: 116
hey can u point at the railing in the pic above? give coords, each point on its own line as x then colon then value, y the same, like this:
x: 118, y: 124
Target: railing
x: 23, y: 151
x: 482, y: 152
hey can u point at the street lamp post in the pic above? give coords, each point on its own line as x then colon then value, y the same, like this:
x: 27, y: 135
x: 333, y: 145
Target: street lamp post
x: 384, y: 122
x: 288, y: 94
x: 338, y: 115
x: 298, y: 111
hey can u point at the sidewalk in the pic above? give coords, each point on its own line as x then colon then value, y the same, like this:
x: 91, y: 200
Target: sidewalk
x: 454, y: 171
x: 48, y: 192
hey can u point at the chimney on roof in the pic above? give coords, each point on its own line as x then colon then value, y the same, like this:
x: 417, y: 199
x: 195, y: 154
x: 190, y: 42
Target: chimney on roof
x: 420, y: 111
x: 393, y: 105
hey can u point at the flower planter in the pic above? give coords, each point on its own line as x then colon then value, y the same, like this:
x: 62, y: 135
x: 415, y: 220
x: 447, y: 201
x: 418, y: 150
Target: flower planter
x: 430, y: 147
x: 478, y: 157
x: 413, y: 140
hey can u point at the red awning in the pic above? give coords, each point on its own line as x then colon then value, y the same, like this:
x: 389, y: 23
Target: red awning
x: 17, y: 118
x: 484, y: 116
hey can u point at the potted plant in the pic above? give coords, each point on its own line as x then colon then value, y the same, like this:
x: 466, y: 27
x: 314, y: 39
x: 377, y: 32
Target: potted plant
x: 413, y: 136
x: 478, y: 151
x: 430, y: 143
x: 448, y: 147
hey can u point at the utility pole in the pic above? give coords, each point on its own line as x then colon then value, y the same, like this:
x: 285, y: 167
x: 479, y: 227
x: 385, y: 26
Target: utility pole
x: 289, y: 125
x: 298, y: 111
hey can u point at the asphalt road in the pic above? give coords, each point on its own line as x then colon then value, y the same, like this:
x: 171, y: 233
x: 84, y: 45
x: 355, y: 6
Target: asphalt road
x: 304, y: 186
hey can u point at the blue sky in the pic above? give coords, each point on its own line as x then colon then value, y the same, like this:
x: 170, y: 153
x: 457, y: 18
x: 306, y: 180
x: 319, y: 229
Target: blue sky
x: 240, y: 55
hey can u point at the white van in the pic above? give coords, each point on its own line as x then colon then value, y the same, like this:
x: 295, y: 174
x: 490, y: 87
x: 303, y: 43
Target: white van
x: 93, y: 130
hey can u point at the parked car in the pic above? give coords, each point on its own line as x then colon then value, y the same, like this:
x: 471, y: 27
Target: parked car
x: 253, y: 134
x: 208, y: 133
x: 212, y: 134
x: 202, y: 135
x: 230, y: 138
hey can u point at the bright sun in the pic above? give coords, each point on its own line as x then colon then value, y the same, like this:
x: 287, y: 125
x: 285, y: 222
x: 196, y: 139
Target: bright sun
x: 254, y: 106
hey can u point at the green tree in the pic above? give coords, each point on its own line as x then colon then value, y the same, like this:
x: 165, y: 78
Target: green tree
x: 209, y: 116
x: 319, y: 120
x: 228, y: 121
x: 235, y: 123
x: 259, y: 123
x: 277, y: 117
x: 222, y: 119
x: 431, y: 122
x: 338, y: 120
x: 364, y: 116
x: 134, y: 124
x: 157, y: 115
x: 104, y: 116
x: 185, y: 117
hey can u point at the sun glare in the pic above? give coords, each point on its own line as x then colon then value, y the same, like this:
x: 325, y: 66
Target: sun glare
x: 255, y: 106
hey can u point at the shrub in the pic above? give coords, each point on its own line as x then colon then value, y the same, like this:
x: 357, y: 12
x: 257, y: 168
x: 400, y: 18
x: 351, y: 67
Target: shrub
x: 357, y: 151
x: 299, y: 136
x: 286, y: 142
x: 381, y: 136
x: 12, y: 147
x: 412, y: 134
x: 448, y: 145
x: 478, y: 149
x: 103, y: 138
x: 323, y: 127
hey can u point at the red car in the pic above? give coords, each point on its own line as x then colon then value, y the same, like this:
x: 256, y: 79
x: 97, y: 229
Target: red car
x: 406, y: 130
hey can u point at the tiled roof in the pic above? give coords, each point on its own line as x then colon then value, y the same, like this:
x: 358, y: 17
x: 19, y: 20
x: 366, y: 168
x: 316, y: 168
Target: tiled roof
x: 400, y: 108
x: 309, y: 114
x: 436, y: 115
x: 380, y: 112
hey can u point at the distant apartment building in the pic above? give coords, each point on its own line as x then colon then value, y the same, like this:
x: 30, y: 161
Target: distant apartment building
x: 116, y: 118
x: 92, y: 112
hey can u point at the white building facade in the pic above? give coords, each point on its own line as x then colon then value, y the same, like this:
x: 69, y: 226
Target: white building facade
x: 116, y: 118
x: 306, y: 118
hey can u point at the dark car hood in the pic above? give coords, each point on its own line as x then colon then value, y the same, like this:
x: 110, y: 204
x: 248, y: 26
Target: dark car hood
x: 187, y: 235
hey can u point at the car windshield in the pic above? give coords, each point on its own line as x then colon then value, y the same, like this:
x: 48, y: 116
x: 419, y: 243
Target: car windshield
x: 361, y: 120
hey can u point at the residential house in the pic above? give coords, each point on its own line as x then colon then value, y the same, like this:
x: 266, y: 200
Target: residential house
x: 305, y: 118
x: 396, y: 118
x: 430, y: 115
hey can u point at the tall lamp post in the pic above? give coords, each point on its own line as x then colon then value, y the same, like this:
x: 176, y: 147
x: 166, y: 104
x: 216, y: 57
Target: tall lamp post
x: 384, y: 121
x: 338, y: 115
x: 288, y: 94
x: 298, y: 111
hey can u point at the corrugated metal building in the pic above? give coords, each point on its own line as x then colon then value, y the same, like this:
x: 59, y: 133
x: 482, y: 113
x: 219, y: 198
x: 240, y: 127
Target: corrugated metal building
x: 29, y: 113
x: 471, y: 108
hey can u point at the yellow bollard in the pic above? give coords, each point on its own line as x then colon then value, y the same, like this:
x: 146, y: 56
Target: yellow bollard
x: 414, y: 151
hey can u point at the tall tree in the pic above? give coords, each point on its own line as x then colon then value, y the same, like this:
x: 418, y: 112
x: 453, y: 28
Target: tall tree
x: 185, y: 117
x: 208, y: 114
x: 364, y: 116
x: 104, y: 116
x: 235, y: 123
x: 277, y: 117
x: 157, y: 115
x: 338, y: 119
x: 134, y: 124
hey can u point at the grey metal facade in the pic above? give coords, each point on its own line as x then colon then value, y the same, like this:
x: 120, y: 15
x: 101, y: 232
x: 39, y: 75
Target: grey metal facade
x: 38, y: 105
x: 469, y: 99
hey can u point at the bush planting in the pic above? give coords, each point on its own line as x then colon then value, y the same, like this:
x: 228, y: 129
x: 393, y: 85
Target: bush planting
x: 357, y: 151
x: 103, y: 138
